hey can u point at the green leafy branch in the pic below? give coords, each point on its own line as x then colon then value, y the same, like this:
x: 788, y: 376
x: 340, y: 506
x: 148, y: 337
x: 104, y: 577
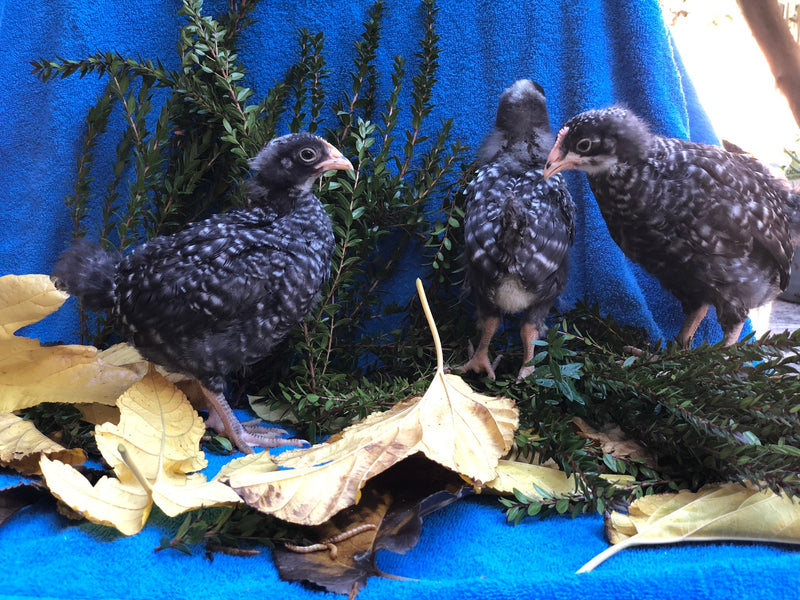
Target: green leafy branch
x: 707, y: 414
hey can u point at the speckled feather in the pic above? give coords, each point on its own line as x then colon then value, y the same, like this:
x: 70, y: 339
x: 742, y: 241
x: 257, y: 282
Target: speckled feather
x: 711, y: 225
x: 518, y: 226
x: 222, y: 293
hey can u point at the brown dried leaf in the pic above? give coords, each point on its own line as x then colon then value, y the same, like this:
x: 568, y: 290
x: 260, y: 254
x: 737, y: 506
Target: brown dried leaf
x: 17, y: 497
x: 388, y: 517
x: 451, y: 424
x: 613, y: 441
x: 21, y: 446
x: 97, y: 414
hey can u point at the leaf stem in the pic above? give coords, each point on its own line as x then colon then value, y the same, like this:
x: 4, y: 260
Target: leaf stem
x: 432, y: 324
x: 126, y: 458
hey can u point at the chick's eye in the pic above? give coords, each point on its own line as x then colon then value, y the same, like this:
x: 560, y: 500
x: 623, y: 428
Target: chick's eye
x: 308, y: 155
x: 583, y: 145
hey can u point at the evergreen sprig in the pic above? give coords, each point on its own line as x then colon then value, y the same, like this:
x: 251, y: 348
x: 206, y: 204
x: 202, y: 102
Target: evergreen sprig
x: 703, y: 415
x: 237, y: 531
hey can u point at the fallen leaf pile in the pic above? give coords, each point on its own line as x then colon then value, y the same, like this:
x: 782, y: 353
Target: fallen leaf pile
x: 31, y: 373
x: 361, y: 491
x: 152, y: 443
x: 154, y: 452
x: 450, y: 424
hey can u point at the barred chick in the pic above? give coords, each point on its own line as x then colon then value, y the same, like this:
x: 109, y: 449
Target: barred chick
x: 222, y: 293
x: 518, y: 226
x: 715, y: 227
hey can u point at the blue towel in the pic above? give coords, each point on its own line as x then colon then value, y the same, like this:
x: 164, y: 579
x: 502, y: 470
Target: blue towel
x: 586, y: 54
x: 466, y: 551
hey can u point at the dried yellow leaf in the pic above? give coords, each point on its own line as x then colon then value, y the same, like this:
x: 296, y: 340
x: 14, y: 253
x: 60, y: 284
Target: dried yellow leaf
x: 122, y: 355
x: 716, y: 512
x: 126, y: 355
x: 526, y: 477
x: 315, y: 483
x: 158, y: 427
x: 176, y: 495
x: 26, y: 299
x: 124, y: 506
x: 463, y: 430
x: 31, y: 373
x: 451, y: 424
x: 154, y: 451
x: 21, y: 446
x: 531, y: 479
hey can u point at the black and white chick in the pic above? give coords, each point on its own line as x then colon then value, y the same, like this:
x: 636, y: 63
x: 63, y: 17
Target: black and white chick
x: 714, y: 227
x: 518, y: 225
x: 222, y: 293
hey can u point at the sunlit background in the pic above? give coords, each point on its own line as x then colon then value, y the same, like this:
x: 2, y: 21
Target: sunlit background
x: 732, y: 77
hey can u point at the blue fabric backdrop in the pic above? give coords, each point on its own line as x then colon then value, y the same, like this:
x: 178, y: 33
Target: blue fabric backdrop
x: 586, y: 54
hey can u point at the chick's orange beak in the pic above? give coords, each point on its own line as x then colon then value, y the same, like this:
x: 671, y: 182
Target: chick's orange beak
x: 557, y: 161
x: 335, y: 161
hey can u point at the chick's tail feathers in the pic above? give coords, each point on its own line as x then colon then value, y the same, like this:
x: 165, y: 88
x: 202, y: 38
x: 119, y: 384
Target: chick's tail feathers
x: 87, y: 271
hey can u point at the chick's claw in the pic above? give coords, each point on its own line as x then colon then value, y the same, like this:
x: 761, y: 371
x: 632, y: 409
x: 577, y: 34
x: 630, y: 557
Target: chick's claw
x: 479, y: 363
x: 269, y: 437
x: 251, y: 434
x: 245, y: 436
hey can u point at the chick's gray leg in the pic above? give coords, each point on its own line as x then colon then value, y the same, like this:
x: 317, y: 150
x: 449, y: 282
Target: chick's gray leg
x: 731, y: 317
x: 731, y: 333
x: 222, y: 420
x: 479, y: 361
x: 690, y: 325
x: 529, y: 332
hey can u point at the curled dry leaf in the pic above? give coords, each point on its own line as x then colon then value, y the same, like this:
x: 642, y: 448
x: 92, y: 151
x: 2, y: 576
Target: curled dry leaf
x: 21, y: 446
x: 31, y: 373
x: 388, y: 517
x: 460, y: 429
x: 613, y: 441
x: 154, y: 452
x: 17, y: 497
x: 532, y: 479
x: 718, y: 512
